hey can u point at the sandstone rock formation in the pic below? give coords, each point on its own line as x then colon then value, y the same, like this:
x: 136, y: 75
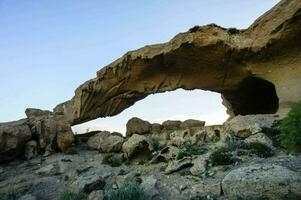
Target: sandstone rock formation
x: 51, y: 129
x: 257, y: 70
x: 271, y: 181
x: 13, y: 138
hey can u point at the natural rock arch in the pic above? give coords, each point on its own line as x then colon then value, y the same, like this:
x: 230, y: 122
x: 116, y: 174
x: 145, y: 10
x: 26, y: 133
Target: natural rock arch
x: 263, y: 59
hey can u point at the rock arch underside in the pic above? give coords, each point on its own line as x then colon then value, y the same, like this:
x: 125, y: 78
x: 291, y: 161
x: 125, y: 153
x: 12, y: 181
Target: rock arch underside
x: 257, y: 70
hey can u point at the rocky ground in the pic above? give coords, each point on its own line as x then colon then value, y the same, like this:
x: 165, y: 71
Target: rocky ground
x: 174, y: 160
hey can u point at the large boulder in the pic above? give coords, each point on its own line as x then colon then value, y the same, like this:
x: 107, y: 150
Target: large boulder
x: 136, y: 144
x: 261, y: 180
x: 191, y: 123
x: 137, y: 126
x: 95, y: 140
x: 112, y: 143
x: 244, y: 126
x: 13, y: 138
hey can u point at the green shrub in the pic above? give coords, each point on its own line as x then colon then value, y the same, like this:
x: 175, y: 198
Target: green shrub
x: 290, y: 126
x: 71, y: 151
x: 156, y: 144
x: 10, y: 195
x: 221, y: 156
x: 112, y: 160
x: 131, y: 191
x: 69, y: 195
x: 260, y: 149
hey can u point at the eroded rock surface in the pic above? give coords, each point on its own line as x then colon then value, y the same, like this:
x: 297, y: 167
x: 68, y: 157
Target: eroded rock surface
x: 13, y: 138
x: 257, y: 70
x: 262, y: 180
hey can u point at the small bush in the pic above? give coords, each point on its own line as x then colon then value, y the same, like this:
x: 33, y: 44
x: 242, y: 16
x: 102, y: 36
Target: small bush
x: 131, y: 191
x: 69, y: 195
x: 156, y: 144
x: 290, y: 126
x: 112, y: 160
x: 71, y: 151
x: 221, y: 157
x: 260, y: 149
x: 234, y: 143
x: 10, y: 195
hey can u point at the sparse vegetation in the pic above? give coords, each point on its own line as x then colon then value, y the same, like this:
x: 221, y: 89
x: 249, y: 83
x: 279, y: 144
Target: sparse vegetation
x: 112, y: 160
x: 260, y: 149
x: 9, y: 195
x: 156, y: 144
x: 69, y: 195
x: 131, y: 191
x: 234, y: 143
x: 221, y: 156
x: 71, y: 151
x: 189, y: 149
x: 290, y: 126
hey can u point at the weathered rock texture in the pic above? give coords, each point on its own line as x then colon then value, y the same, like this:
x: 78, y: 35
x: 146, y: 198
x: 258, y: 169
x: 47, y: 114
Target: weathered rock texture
x: 257, y: 70
x: 13, y: 138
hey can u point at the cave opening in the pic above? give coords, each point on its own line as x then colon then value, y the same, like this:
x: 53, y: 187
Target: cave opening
x: 253, y: 96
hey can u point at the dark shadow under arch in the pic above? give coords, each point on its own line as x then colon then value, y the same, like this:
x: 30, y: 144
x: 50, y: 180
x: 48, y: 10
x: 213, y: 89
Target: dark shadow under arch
x: 253, y: 96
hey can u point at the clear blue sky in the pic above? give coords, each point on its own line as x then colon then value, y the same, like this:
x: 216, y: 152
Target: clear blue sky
x: 49, y: 47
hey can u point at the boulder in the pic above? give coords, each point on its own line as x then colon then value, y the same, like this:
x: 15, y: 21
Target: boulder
x: 96, y: 195
x: 112, y: 143
x: 244, y: 126
x: 261, y: 180
x: 137, y: 126
x: 13, y: 138
x: 200, y: 165
x: 260, y: 138
x: 136, y: 144
x: 31, y: 149
x: 94, y: 141
x: 156, y: 128
x: 149, y: 185
x: 191, y: 123
x: 171, y: 124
